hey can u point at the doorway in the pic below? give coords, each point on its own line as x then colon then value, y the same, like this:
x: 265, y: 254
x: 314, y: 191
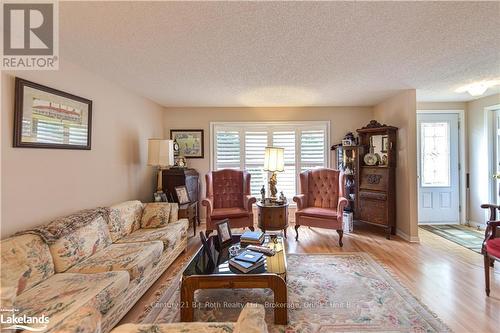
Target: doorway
x: 438, y: 142
x: 496, y: 157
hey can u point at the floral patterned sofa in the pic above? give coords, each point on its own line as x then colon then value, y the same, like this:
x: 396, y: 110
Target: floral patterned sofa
x: 86, y: 270
x: 250, y: 320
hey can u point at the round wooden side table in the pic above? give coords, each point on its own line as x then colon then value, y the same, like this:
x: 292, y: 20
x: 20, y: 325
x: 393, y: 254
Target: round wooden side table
x: 272, y: 216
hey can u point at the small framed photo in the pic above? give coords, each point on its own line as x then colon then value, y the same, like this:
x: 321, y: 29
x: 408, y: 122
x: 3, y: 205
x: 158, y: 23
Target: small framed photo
x: 347, y: 142
x: 157, y: 197
x: 224, y: 233
x: 182, y: 194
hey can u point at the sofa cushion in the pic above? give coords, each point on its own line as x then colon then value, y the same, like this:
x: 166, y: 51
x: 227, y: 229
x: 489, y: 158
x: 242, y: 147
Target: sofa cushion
x: 318, y: 212
x: 135, y: 258
x: 222, y: 213
x: 124, y: 218
x: 170, y: 235
x: 155, y: 215
x: 80, y: 244
x: 86, y: 319
x: 194, y: 327
x: 25, y: 262
x: 62, y: 295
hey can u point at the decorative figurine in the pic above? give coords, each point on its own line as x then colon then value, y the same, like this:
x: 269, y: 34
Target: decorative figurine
x: 263, y: 193
x: 282, y: 197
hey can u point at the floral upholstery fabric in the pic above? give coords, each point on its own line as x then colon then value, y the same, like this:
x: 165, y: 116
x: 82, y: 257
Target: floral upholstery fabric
x: 84, y: 320
x: 174, y: 212
x: 195, y: 327
x: 25, y: 262
x: 81, y: 244
x: 251, y: 319
x: 124, y: 218
x: 63, y: 294
x: 135, y: 258
x: 156, y: 214
x: 169, y: 235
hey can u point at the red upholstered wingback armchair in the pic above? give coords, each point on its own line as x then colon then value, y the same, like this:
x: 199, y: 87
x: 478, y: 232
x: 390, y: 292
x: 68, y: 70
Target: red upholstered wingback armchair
x: 491, y: 244
x: 321, y: 202
x: 228, y: 196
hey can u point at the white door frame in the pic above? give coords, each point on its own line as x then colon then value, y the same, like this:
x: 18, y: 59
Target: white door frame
x: 490, y: 124
x: 461, y: 159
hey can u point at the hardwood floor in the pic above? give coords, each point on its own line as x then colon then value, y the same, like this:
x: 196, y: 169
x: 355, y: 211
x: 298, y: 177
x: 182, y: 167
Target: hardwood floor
x: 446, y: 277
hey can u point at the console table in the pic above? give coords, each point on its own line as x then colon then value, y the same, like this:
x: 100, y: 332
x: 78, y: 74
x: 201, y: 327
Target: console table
x: 272, y: 216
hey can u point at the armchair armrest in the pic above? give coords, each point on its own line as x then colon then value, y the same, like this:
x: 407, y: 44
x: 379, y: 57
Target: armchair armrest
x: 208, y: 202
x: 341, y: 205
x: 492, y: 208
x: 300, y: 199
x: 248, y: 201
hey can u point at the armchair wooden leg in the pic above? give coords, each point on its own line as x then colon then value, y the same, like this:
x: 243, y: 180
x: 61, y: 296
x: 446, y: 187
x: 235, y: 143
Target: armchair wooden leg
x: 492, y: 262
x: 297, y: 232
x: 487, y: 274
x: 341, y: 234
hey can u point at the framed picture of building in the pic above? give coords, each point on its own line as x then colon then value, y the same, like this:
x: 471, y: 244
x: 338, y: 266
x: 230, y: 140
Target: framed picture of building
x: 48, y: 118
x: 190, y: 142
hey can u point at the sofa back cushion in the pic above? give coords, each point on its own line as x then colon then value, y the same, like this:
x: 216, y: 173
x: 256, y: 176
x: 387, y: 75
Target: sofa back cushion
x: 124, y: 218
x: 74, y: 247
x: 25, y: 262
x: 157, y: 214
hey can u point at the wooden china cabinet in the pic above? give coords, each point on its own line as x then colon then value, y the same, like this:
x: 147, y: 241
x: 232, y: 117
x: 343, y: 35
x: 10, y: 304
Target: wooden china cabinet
x: 375, y: 174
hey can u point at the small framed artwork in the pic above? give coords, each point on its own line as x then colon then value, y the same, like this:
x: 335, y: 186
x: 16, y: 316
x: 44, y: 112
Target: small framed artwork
x: 48, y: 118
x: 385, y: 144
x: 182, y: 194
x: 190, y: 142
x: 224, y: 233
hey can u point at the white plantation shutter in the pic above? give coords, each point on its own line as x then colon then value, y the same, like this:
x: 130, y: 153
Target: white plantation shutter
x: 288, y: 178
x: 242, y: 146
x: 227, y: 150
x: 255, y: 146
x: 312, y: 149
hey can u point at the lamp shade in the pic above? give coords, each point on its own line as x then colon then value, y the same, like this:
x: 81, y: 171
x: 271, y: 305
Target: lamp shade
x: 160, y: 152
x: 274, y: 159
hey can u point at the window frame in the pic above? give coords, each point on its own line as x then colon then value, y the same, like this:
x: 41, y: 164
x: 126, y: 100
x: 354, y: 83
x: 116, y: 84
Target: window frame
x: 270, y: 126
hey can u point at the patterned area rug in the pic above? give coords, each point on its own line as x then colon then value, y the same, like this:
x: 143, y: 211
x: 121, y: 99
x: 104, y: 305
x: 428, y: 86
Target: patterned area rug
x: 326, y: 293
x: 459, y: 234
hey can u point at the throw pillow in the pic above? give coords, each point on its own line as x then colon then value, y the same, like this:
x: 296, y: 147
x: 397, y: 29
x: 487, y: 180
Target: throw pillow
x: 155, y: 215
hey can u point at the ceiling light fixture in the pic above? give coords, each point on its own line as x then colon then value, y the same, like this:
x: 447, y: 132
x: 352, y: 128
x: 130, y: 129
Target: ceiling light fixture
x: 478, y: 88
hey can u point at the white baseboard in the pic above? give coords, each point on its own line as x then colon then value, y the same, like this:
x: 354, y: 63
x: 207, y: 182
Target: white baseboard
x: 406, y: 237
x: 475, y: 224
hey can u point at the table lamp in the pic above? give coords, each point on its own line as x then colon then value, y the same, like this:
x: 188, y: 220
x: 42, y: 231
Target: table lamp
x: 161, y: 155
x: 274, y: 162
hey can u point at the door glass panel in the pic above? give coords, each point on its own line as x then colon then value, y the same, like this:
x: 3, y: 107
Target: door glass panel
x: 435, y: 154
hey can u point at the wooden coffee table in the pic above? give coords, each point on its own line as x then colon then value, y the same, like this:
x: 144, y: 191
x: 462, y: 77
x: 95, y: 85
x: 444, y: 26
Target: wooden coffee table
x: 200, y: 275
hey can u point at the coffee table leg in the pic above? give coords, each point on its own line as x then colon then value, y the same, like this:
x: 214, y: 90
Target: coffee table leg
x: 278, y: 285
x: 187, y: 299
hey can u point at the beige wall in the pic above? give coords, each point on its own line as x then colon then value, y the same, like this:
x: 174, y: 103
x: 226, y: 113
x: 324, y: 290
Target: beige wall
x: 342, y: 120
x: 400, y: 111
x: 478, y: 144
x: 41, y: 184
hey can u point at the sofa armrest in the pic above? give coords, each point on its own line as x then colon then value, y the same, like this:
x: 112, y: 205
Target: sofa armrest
x: 251, y: 319
x: 209, y: 203
x: 248, y: 201
x: 340, y: 207
x: 300, y: 199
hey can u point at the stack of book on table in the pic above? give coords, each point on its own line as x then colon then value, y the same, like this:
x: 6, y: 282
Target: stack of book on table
x: 252, y: 237
x: 247, y: 261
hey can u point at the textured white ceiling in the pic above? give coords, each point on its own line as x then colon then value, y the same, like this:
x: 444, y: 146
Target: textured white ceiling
x: 284, y: 53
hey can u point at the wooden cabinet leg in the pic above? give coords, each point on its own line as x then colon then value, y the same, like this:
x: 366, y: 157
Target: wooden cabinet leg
x: 297, y: 232
x: 278, y: 285
x: 284, y: 231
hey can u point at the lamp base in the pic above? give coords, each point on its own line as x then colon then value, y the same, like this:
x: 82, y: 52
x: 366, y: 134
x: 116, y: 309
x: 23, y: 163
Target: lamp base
x: 272, y: 185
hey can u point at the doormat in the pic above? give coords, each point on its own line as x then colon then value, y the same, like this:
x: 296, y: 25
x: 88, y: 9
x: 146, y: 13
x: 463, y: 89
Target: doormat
x: 458, y: 234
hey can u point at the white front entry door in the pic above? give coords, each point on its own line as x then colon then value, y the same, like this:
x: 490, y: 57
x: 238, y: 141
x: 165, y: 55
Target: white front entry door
x: 438, y: 164
x: 496, y: 157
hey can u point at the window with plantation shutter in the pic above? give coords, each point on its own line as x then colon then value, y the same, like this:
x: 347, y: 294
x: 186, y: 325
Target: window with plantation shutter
x: 242, y: 145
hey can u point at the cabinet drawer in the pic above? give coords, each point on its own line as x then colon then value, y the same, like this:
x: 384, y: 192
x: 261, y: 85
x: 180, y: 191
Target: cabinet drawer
x: 372, y: 207
x: 375, y: 178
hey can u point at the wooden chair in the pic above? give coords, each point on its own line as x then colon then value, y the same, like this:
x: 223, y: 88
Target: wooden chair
x: 491, y: 244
